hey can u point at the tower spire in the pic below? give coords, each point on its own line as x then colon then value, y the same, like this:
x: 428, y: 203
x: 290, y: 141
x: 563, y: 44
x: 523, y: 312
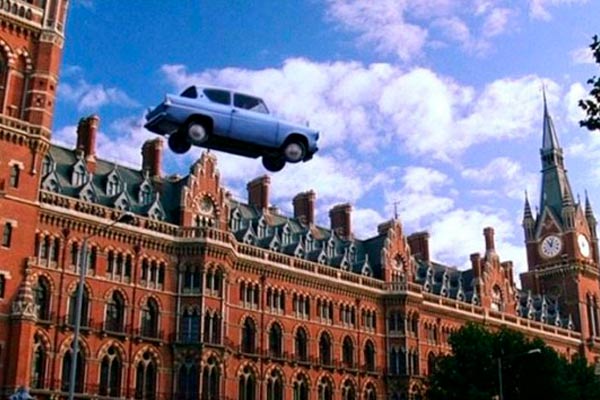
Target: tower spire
x: 550, y: 140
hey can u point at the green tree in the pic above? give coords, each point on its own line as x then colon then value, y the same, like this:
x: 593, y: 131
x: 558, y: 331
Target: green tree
x: 530, y: 369
x: 591, y: 105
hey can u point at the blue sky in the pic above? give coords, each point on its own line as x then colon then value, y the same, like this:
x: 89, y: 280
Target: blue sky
x: 432, y: 108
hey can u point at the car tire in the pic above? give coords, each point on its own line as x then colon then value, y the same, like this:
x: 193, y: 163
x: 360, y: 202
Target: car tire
x: 273, y: 164
x: 294, y: 151
x: 197, y: 132
x: 178, y: 143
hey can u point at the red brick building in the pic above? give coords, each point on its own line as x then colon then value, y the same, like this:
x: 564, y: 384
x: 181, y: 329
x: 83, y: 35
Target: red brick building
x: 203, y: 296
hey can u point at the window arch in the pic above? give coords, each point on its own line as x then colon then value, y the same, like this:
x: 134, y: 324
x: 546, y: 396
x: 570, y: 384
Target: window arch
x: 15, y: 176
x: 348, y: 390
x: 212, y: 327
x: 325, y: 389
x: 115, y: 313
x: 275, y: 341
x: 247, y: 385
x: 370, y: 392
x: 431, y: 363
x: 38, y: 364
x: 188, y: 381
x: 211, y: 380
x: 149, y: 325
x: 497, y: 299
x: 85, y: 304
x: 110, y: 373
x: 369, y: 356
x: 348, y: 352
x: 145, y: 378
x: 3, y: 78
x: 41, y: 297
x: 79, y: 371
x: 300, y: 388
x: 190, y: 326
x: 249, y: 336
x: 301, y: 345
x: 275, y: 385
x: 325, y: 349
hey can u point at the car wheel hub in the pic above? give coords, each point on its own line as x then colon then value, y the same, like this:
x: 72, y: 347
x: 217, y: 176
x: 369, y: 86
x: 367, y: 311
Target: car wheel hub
x: 197, y: 133
x: 293, y: 152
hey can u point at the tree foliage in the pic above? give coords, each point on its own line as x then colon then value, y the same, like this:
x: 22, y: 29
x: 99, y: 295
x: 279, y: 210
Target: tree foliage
x: 591, y: 105
x: 470, y: 372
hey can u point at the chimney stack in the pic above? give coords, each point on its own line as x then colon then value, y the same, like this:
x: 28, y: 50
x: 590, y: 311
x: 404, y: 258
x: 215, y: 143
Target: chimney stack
x: 419, y: 245
x: 86, y: 136
x: 304, y: 207
x: 152, y: 157
x: 488, y: 233
x: 258, y: 192
x: 340, y: 217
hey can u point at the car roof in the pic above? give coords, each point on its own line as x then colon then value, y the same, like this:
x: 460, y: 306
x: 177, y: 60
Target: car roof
x: 225, y: 89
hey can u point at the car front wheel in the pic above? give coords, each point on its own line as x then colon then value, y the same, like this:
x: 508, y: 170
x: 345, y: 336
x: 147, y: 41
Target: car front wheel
x: 178, y: 143
x: 273, y: 164
x: 294, y: 151
x: 197, y: 133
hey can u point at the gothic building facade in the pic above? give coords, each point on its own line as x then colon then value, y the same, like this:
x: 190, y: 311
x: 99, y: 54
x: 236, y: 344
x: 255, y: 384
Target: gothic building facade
x: 204, y: 296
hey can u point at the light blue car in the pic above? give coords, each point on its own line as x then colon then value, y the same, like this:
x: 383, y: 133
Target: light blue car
x: 234, y: 122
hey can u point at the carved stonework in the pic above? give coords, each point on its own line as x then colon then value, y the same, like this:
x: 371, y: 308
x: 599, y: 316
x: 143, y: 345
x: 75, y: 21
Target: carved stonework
x: 24, y: 305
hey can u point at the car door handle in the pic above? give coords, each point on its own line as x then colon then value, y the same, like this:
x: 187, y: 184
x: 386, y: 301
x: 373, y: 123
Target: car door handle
x: 233, y: 111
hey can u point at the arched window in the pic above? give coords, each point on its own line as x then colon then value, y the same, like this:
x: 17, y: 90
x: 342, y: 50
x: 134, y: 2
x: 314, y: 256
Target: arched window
x: 188, y: 381
x: 3, y: 77
x: 112, y: 186
x: 79, y: 371
x: 41, y: 297
x: 145, y: 378
x: 190, y: 326
x: 300, y: 387
x: 211, y: 380
x: 301, y: 345
x: 325, y: 389
x: 149, y: 326
x: 370, y: 392
x: 275, y: 339
x: 348, y: 390
x: 110, y: 373
x: 15, y: 174
x: 249, y: 336
x: 348, y: 352
x: 85, y: 304
x: 247, y: 385
x: 325, y: 349
x: 369, y: 356
x: 38, y: 364
x: 115, y: 313
x: 275, y: 385
x: 497, y: 300
x: 431, y: 362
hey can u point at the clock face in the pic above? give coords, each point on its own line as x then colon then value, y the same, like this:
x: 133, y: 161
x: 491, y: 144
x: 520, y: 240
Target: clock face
x: 584, y: 245
x: 551, y: 246
x: 206, y: 205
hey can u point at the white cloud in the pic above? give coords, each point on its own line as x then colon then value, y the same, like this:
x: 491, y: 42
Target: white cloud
x: 365, y: 222
x: 575, y: 93
x: 92, y: 97
x: 506, y: 176
x: 539, y: 9
x: 583, y: 55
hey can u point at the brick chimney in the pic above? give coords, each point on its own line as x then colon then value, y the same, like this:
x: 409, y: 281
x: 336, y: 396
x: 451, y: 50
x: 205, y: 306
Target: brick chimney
x: 258, y: 192
x: 304, y: 207
x: 488, y: 233
x: 152, y: 157
x: 476, y: 264
x: 86, y: 136
x: 340, y: 217
x: 419, y: 245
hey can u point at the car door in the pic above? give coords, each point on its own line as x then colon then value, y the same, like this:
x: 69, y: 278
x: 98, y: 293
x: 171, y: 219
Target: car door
x: 218, y: 108
x: 251, y: 121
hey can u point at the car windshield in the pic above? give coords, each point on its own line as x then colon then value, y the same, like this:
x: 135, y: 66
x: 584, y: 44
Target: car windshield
x: 190, y: 92
x: 218, y: 96
x: 250, y: 103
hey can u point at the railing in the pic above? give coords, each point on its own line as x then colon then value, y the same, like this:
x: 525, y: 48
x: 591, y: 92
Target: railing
x: 113, y: 327
x: 149, y: 333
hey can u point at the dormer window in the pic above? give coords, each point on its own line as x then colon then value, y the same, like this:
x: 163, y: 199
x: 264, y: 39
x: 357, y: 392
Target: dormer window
x: 236, y: 220
x: 46, y: 166
x: 262, y: 229
x: 113, y: 185
x: 497, y: 302
x: 285, y: 236
x: 79, y: 176
x: 122, y: 204
x: 309, y: 242
x: 145, y: 194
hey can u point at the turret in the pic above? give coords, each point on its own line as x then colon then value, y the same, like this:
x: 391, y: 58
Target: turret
x: 528, y: 221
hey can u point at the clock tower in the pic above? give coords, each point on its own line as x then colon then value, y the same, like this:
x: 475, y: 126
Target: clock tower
x: 561, y: 242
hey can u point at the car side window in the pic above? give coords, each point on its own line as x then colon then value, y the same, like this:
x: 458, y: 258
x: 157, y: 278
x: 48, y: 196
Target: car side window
x: 190, y: 93
x: 218, y: 96
x: 250, y: 103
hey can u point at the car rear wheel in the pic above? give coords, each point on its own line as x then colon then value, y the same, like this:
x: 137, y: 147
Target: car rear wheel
x: 197, y: 132
x: 273, y: 164
x: 179, y: 143
x: 294, y: 151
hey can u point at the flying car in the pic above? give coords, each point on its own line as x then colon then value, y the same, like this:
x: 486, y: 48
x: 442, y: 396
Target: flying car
x: 233, y: 122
